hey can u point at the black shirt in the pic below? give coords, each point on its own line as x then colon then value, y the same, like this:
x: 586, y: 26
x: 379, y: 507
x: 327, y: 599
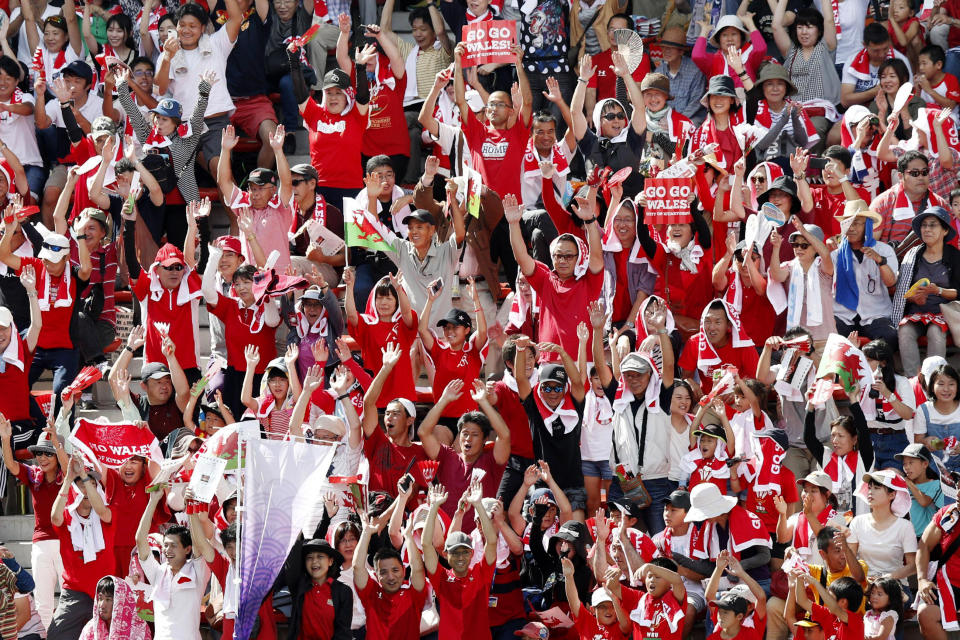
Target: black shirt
x: 560, y: 450
x: 246, y: 65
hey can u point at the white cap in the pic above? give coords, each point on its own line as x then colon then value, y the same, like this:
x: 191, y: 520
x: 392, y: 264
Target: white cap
x: 930, y: 365
x: 56, y: 247
x: 6, y: 318
x: 744, y: 592
x: 599, y: 597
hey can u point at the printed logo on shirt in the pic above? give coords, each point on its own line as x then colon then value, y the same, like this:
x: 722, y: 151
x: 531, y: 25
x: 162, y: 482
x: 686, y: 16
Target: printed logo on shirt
x: 336, y: 127
x: 494, y: 150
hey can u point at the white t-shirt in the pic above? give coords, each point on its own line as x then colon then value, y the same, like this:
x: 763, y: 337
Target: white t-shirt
x: 860, y: 85
x: 187, y: 65
x: 24, y: 54
x: 596, y: 437
x: 91, y: 109
x: 177, y: 618
x: 883, y: 550
x: 19, y: 133
x: 679, y: 446
x: 920, y: 420
x: 904, y: 392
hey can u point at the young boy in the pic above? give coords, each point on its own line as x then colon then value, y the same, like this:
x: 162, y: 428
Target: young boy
x: 706, y: 460
x: 658, y: 612
x: 938, y: 88
x: 608, y: 622
x: 685, y: 544
x: 732, y: 614
x: 729, y: 613
x: 837, y: 616
x: 924, y: 485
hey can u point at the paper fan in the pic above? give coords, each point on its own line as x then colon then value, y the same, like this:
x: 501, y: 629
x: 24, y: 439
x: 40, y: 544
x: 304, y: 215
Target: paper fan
x: 903, y: 97
x: 772, y: 213
x: 163, y: 328
x: 630, y: 45
x: 428, y: 470
x: 619, y: 176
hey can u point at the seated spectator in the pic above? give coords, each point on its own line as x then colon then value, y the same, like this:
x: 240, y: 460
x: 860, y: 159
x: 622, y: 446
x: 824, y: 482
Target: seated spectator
x: 721, y: 341
x: 937, y: 88
x: 935, y: 613
x: 777, y: 142
x: 901, y: 205
x: 861, y: 69
x: 19, y: 145
x: 660, y: 116
x: 931, y: 131
x: 883, y: 538
x: 923, y: 480
x: 686, y: 80
x: 892, y: 75
x: 733, y: 33
x: 115, y: 604
x: 660, y: 612
x: 937, y: 262
x: 841, y: 604
x: 890, y: 413
x: 937, y: 419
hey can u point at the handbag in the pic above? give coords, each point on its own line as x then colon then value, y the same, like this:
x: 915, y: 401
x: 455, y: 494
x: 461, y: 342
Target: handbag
x: 160, y: 167
x: 94, y: 300
x: 573, y: 52
x: 633, y: 488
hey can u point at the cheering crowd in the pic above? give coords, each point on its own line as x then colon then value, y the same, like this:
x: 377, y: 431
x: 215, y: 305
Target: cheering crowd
x: 642, y: 327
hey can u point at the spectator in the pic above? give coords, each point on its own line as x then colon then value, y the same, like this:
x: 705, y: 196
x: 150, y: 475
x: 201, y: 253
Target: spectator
x: 906, y: 31
x: 322, y: 604
x: 937, y: 261
x: 660, y: 116
x: 737, y: 31
x: 604, y: 84
x: 279, y: 387
x: 721, y: 341
x: 935, y: 613
x: 923, y: 480
x: 890, y: 414
x: 883, y: 538
x: 893, y: 74
x: 17, y: 130
x: 936, y: 86
x: 115, y: 608
x: 311, y: 205
x: 937, y: 420
x: 860, y: 79
x: 906, y: 202
x: 686, y: 80
x: 930, y: 131
x: 18, y: 349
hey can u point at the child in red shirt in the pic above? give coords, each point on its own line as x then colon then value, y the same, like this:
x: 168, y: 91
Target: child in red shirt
x: 607, y: 621
x: 837, y: 616
x: 658, y: 612
x: 710, y: 447
x: 459, y: 355
x: 732, y: 614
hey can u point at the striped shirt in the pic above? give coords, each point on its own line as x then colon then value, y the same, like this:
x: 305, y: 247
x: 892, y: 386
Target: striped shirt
x: 104, y: 261
x: 429, y: 63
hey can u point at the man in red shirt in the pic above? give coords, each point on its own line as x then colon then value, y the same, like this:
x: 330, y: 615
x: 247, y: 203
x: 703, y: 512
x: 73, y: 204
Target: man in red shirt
x: 504, y: 397
x: 392, y: 453
x: 392, y: 607
x: 721, y: 341
x: 84, y: 525
x: 16, y: 353
x: 463, y: 592
x: 575, y: 281
x: 169, y: 294
x: 830, y: 199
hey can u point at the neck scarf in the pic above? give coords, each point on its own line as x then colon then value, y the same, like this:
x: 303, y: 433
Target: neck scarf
x: 86, y: 534
x: 848, y: 291
x: 859, y: 67
x: 14, y: 353
x: 511, y: 382
x: 45, y: 285
x: 303, y: 324
x: 651, y: 399
x: 651, y: 611
x: 186, y: 292
x: 804, y: 287
x: 472, y: 17
x: 843, y: 469
x: 370, y: 315
x: 689, y: 255
x: 707, y: 357
x: 531, y: 160
x: 926, y: 122
x: 125, y: 624
x: 565, y: 411
x: 521, y: 308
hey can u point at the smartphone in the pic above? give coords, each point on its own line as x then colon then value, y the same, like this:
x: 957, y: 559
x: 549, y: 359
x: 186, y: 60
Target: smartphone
x: 437, y: 286
x: 406, y: 482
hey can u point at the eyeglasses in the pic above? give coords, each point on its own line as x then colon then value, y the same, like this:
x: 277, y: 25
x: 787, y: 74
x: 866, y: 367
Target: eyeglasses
x: 614, y: 116
x: 44, y: 454
x: 52, y: 247
x: 916, y: 173
x: 551, y: 388
x: 173, y: 267
x: 756, y: 179
x: 564, y: 256
x: 799, y: 245
x: 497, y: 105
x: 931, y: 224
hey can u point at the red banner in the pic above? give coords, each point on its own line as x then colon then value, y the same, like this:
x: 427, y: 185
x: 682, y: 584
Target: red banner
x: 113, y: 443
x: 489, y: 42
x: 667, y: 200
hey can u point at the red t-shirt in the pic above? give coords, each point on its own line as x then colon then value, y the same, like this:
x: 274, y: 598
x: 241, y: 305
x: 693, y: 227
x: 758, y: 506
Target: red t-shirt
x: 761, y: 503
x: 588, y: 629
x: 826, y: 206
x: 509, y: 407
x: 640, y: 540
x: 745, y: 359
x: 238, y: 334
x: 335, y: 142
x: 563, y: 304
x: 392, y: 616
x: 833, y: 628
x: 463, y: 602
x: 745, y: 633
x: 951, y: 514
x: 387, y: 131
x: 128, y: 503
x: 55, y: 333
x: 317, y: 618
x: 498, y: 154
x: 757, y: 314
x: 43, y: 494
x: 374, y: 337
x: 686, y: 293
x: 621, y: 296
x: 712, y: 470
x: 604, y: 80
x: 659, y: 615
x: 454, y: 474
x: 182, y: 318
x: 80, y: 576
x: 388, y: 462
x: 465, y: 365
x: 15, y: 382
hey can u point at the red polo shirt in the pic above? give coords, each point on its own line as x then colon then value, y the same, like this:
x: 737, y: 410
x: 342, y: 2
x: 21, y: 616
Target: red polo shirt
x: 374, y: 337
x: 238, y: 334
x: 182, y: 318
x: 128, y: 503
x: 450, y: 365
x: 43, y: 494
x: 15, y: 382
x: 388, y: 461
x: 463, y: 601
x: 392, y: 616
x: 80, y: 576
x: 317, y: 619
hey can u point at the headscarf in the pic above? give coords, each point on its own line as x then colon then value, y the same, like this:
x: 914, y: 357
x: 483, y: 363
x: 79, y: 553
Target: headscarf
x: 125, y: 624
x: 598, y: 112
x: 771, y: 170
x: 583, y: 253
x: 707, y: 356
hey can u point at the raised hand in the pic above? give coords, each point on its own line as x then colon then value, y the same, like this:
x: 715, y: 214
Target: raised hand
x: 320, y: 351
x: 798, y: 162
x: 586, y: 67
x: 474, y: 494
x: 597, y: 315
x: 344, y: 23
x: 553, y: 91
x: 28, y: 278
x: 276, y: 140
x: 291, y: 355
x: 313, y: 380
x: 171, y: 45
x: 619, y: 65
x: 531, y: 475
x: 365, y: 55
x: 544, y: 471
x: 229, y: 138
x: 6, y: 428
x: 391, y: 354
x: 431, y: 167
x: 583, y: 332
x: 479, y: 393
x: 567, y: 566
x: 586, y: 208
x: 511, y: 209
x: 251, y: 354
x: 437, y: 496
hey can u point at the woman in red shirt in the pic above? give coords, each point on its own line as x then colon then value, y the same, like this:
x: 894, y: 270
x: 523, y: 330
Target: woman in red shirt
x: 322, y: 605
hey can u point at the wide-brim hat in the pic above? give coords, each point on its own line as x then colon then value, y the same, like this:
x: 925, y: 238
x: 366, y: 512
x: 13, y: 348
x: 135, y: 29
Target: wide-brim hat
x: 707, y: 502
x: 788, y: 186
x: 721, y: 86
x: 892, y: 481
x: 854, y: 208
x: 941, y: 214
x: 772, y: 71
x: 728, y: 21
x: 44, y: 445
x: 324, y: 547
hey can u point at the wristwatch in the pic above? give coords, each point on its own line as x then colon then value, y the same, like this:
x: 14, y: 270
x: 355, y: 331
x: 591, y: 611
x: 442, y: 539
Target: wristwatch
x: 883, y: 261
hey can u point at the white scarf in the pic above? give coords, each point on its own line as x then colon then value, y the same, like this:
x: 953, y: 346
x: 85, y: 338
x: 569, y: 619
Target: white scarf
x: 184, y: 292
x: 13, y: 354
x: 64, y: 297
x: 86, y: 534
x: 363, y: 201
x: 511, y: 382
x: 689, y: 255
x: 230, y: 596
x: 598, y: 111
x: 804, y: 286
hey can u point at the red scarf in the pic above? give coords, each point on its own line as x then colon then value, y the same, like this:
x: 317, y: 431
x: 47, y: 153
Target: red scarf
x: 707, y: 134
x: 843, y: 469
x: 802, y: 531
x: 860, y: 65
x: 764, y: 470
x: 722, y: 67
x: 566, y: 411
x: 903, y: 208
x: 487, y: 15
x: 650, y: 610
x: 44, y: 283
x: 531, y: 161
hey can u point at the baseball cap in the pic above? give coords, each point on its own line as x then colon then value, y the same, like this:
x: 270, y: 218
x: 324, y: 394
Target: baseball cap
x: 457, y: 540
x: 6, y: 318
x: 336, y: 78
x: 408, y: 406
x: 313, y: 293
x: 455, y: 317
x: 279, y: 364
x: 712, y: 430
x: 629, y: 507
x: 262, y: 176
x: 56, y: 247
x: 230, y: 243
x: 680, y: 499
x: 636, y: 363
x: 732, y: 602
x: 540, y: 492
x: 168, y: 255
x: 807, y: 622
x: 744, y: 592
x: 80, y: 69
x: 818, y: 479
x: 421, y: 215
x: 553, y: 372
x: 915, y: 450
x: 154, y: 371
x: 102, y: 127
x: 599, y: 597
x: 474, y: 100
x: 305, y: 170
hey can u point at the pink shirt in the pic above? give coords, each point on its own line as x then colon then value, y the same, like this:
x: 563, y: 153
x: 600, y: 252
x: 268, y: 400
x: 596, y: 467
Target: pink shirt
x: 270, y: 225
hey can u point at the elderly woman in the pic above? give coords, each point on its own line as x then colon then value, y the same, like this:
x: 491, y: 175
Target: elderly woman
x: 937, y: 265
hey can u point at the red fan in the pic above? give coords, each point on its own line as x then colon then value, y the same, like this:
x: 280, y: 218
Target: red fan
x: 22, y: 214
x: 37, y: 64
x: 427, y: 470
x: 343, y: 479
x: 615, y: 179
x: 800, y: 344
x: 300, y: 41
x: 84, y: 379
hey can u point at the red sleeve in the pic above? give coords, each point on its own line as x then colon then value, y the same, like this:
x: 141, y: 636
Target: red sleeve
x: 538, y: 279
x: 322, y: 398
x: 36, y: 263
x: 366, y: 594
x: 688, y: 357
x: 222, y: 307
x: 141, y: 286
x: 703, y: 191
x: 953, y: 88
x: 749, y: 360
x: 757, y: 55
x: 438, y: 580
x: 23, y: 475
x: 788, y: 484
x: 629, y: 598
x: 194, y: 280
x: 311, y: 114
x: 361, y: 375
x: 562, y: 219
x: 701, y: 57
x: 822, y: 616
x: 472, y: 128
x: 854, y: 625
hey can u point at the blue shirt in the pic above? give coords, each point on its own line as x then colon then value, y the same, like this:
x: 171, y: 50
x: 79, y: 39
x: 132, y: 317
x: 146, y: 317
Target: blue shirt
x: 921, y: 516
x: 686, y: 87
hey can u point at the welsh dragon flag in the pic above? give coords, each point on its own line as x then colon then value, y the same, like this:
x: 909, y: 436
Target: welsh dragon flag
x: 841, y: 359
x: 363, y: 229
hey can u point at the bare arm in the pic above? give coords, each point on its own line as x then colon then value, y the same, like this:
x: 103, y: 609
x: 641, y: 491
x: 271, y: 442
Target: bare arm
x: 146, y: 521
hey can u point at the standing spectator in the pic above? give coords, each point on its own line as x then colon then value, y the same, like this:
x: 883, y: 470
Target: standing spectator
x: 543, y: 36
x: 738, y: 32
x: 686, y: 79
x: 890, y: 414
x: 16, y: 354
x: 322, y: 604
x: 17, y: 130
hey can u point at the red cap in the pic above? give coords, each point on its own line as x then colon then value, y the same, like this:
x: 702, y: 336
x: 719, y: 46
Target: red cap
x: 533, y: 630
x: 168, y: 255
x: 230, y: 243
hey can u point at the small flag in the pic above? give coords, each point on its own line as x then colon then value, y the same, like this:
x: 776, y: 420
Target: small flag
x: 363, y: 229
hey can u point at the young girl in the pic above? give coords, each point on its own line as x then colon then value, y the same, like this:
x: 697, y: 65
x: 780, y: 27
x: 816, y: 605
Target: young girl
x: 709, y: 449
x: 680, y: 419
x: 849, y: 456
x: 938, y: 419
x: 884, y: 599
x: 596, y: 439
x: 923, y: 481
x: 749, y: 398
x: 277, y: 395
x: 120, y: 41
x: 459, y: 355
x: 890, y: 408
x: 388, y: 320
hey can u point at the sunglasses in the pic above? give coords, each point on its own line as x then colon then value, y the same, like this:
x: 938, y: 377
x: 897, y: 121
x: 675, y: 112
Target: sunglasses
x: 916, y: 173
x: 564, y: 256
x: 44, y: 454
x: 143, y: 72
x: 800, y: 245
x: 173, y: 267
x: 52, y: 247
x: 756, y: 179
x: 297, y: 182
x: 551, y: 388
x: 614, y: 116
